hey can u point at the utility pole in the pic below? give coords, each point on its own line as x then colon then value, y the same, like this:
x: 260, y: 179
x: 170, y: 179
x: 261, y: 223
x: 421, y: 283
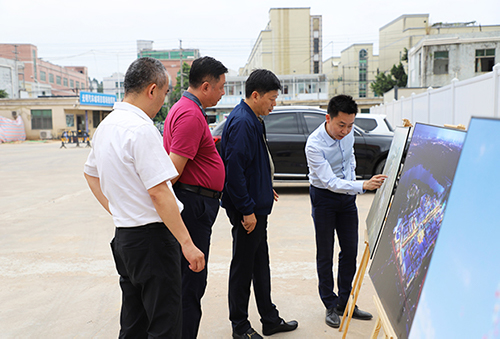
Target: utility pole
x: 16, y: 65
x: 182, y: 77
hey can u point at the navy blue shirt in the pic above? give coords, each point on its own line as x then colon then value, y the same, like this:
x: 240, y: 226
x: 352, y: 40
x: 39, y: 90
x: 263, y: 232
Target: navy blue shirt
x: 248, y: 187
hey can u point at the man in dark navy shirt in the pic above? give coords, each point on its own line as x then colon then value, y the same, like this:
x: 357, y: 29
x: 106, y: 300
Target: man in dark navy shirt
x: 248, y: 199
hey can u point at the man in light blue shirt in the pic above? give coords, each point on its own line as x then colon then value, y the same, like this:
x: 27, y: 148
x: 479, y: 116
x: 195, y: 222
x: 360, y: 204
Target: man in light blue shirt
x: 331, y: 161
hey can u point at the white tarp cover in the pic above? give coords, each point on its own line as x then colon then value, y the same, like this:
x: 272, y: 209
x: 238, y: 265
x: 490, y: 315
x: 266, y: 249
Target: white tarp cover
x: 12, y: 130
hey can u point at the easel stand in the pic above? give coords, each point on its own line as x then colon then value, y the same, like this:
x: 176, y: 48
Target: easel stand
x: 353, y: 297
x: 382, y: 322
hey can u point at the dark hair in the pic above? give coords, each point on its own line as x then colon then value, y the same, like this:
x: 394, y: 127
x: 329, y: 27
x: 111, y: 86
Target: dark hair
x: 261, y: 81
x: 142, y: 73
x: 205, y: 69
x: 342, y: 103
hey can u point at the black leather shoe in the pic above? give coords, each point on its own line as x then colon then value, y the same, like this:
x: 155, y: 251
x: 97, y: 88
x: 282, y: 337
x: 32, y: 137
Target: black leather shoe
x: 249, y: 334
x: 357, y: 314
x: 332, y: 318
x: 282, y: 327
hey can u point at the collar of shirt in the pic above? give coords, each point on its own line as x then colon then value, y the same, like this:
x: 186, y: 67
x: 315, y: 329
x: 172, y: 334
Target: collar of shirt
x: 197, y: 101
x: 326, y: 137
x: 125, y: 106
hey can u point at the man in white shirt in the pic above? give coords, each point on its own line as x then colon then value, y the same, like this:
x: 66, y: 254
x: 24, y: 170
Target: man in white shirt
x: 129, y: 173
x: 331, y: 161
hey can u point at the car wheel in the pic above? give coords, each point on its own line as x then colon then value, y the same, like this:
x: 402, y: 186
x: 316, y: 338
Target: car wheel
x: 380, y: 167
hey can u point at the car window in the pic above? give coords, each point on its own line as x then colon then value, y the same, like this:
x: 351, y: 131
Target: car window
x: 366, y: 123
x: 388, y: 125
x: 282, y: 123
x: 313, y: 121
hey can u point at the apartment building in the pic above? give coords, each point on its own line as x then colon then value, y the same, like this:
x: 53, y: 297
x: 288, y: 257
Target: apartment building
x: 36, y: 77
x: 291, y: 43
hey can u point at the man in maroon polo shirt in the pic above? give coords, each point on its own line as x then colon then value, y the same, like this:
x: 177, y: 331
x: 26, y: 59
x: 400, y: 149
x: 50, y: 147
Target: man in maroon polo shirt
x: 188, y: 141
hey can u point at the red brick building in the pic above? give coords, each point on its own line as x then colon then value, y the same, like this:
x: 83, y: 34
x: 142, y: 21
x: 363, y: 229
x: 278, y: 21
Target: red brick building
x: 42, y: 78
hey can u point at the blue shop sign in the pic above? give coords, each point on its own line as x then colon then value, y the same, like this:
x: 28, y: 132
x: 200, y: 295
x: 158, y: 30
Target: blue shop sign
x: 97, y: 99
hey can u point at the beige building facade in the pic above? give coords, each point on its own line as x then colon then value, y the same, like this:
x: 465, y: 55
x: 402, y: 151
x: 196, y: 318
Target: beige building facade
x: 352, y: 72
x: 48, y: 118
x: 290, y: 44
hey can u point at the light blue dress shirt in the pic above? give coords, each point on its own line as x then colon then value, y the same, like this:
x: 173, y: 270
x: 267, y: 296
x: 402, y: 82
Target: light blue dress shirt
x: 332, y: 163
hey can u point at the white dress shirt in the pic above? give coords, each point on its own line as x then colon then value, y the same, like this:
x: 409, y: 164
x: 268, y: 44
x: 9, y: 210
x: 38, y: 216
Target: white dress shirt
x: 332, y: 163
x: 128, y: 157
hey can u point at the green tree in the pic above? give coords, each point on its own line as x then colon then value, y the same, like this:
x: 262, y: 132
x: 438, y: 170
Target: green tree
x: 382, y: 84
x: 385, y: 82
x: 3, y: 94
x: 399, y: 74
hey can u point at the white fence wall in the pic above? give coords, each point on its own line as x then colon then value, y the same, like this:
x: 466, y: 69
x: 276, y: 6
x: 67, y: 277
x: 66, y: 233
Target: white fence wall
x: 453, y: 104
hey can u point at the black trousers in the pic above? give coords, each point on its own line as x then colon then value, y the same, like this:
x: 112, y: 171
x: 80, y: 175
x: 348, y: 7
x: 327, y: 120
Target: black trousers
x: 250, y: 264
x: 199, y: 215
x: 148, y: 261
x: 335, y: 213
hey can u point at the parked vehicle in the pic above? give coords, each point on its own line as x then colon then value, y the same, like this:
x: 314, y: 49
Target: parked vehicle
x: 287, y: 130
x: 374, y: 123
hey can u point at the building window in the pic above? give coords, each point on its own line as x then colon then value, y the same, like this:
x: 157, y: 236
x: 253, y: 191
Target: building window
x: 77, y: 84
x: 65, y: 82
x: 41, y: 119
x: 43, y: 76
x: 441, y: 62
x: 51, y: 78
x: 485, y: 60
x: 362, y: 75
x: 229, y: 89
x: 71, y: 83
x: 316, y: 67
x: 285, y: 89
x: 316, y: 45
x: 316, y: 24
x: 58, y: 79
x: 363, y: 55
x: 70, y: 120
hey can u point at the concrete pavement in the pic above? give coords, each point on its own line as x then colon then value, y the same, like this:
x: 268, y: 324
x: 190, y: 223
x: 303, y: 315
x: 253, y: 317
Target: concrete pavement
x: 58, y: 277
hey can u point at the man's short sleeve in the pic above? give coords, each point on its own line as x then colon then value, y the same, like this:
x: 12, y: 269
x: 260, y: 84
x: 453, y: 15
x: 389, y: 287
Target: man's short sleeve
x: 90, y: 167
x: 152, y: 163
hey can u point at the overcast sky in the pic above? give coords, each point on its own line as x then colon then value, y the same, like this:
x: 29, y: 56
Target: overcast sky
x: 102, y: 34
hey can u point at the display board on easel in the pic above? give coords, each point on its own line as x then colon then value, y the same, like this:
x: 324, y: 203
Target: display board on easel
x: 376, y: 217
x: 380, y: 205
x: 461, y: 295
x: 406, y: 242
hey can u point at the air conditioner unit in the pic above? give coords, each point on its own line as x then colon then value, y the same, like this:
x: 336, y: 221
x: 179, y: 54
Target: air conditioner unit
x: 45, y: 134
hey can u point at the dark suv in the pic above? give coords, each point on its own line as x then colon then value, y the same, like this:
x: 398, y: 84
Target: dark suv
x: 287, y: 130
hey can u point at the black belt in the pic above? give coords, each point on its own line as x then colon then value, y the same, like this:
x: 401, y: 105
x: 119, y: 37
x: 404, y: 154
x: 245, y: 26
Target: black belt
x: 199, y: 190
